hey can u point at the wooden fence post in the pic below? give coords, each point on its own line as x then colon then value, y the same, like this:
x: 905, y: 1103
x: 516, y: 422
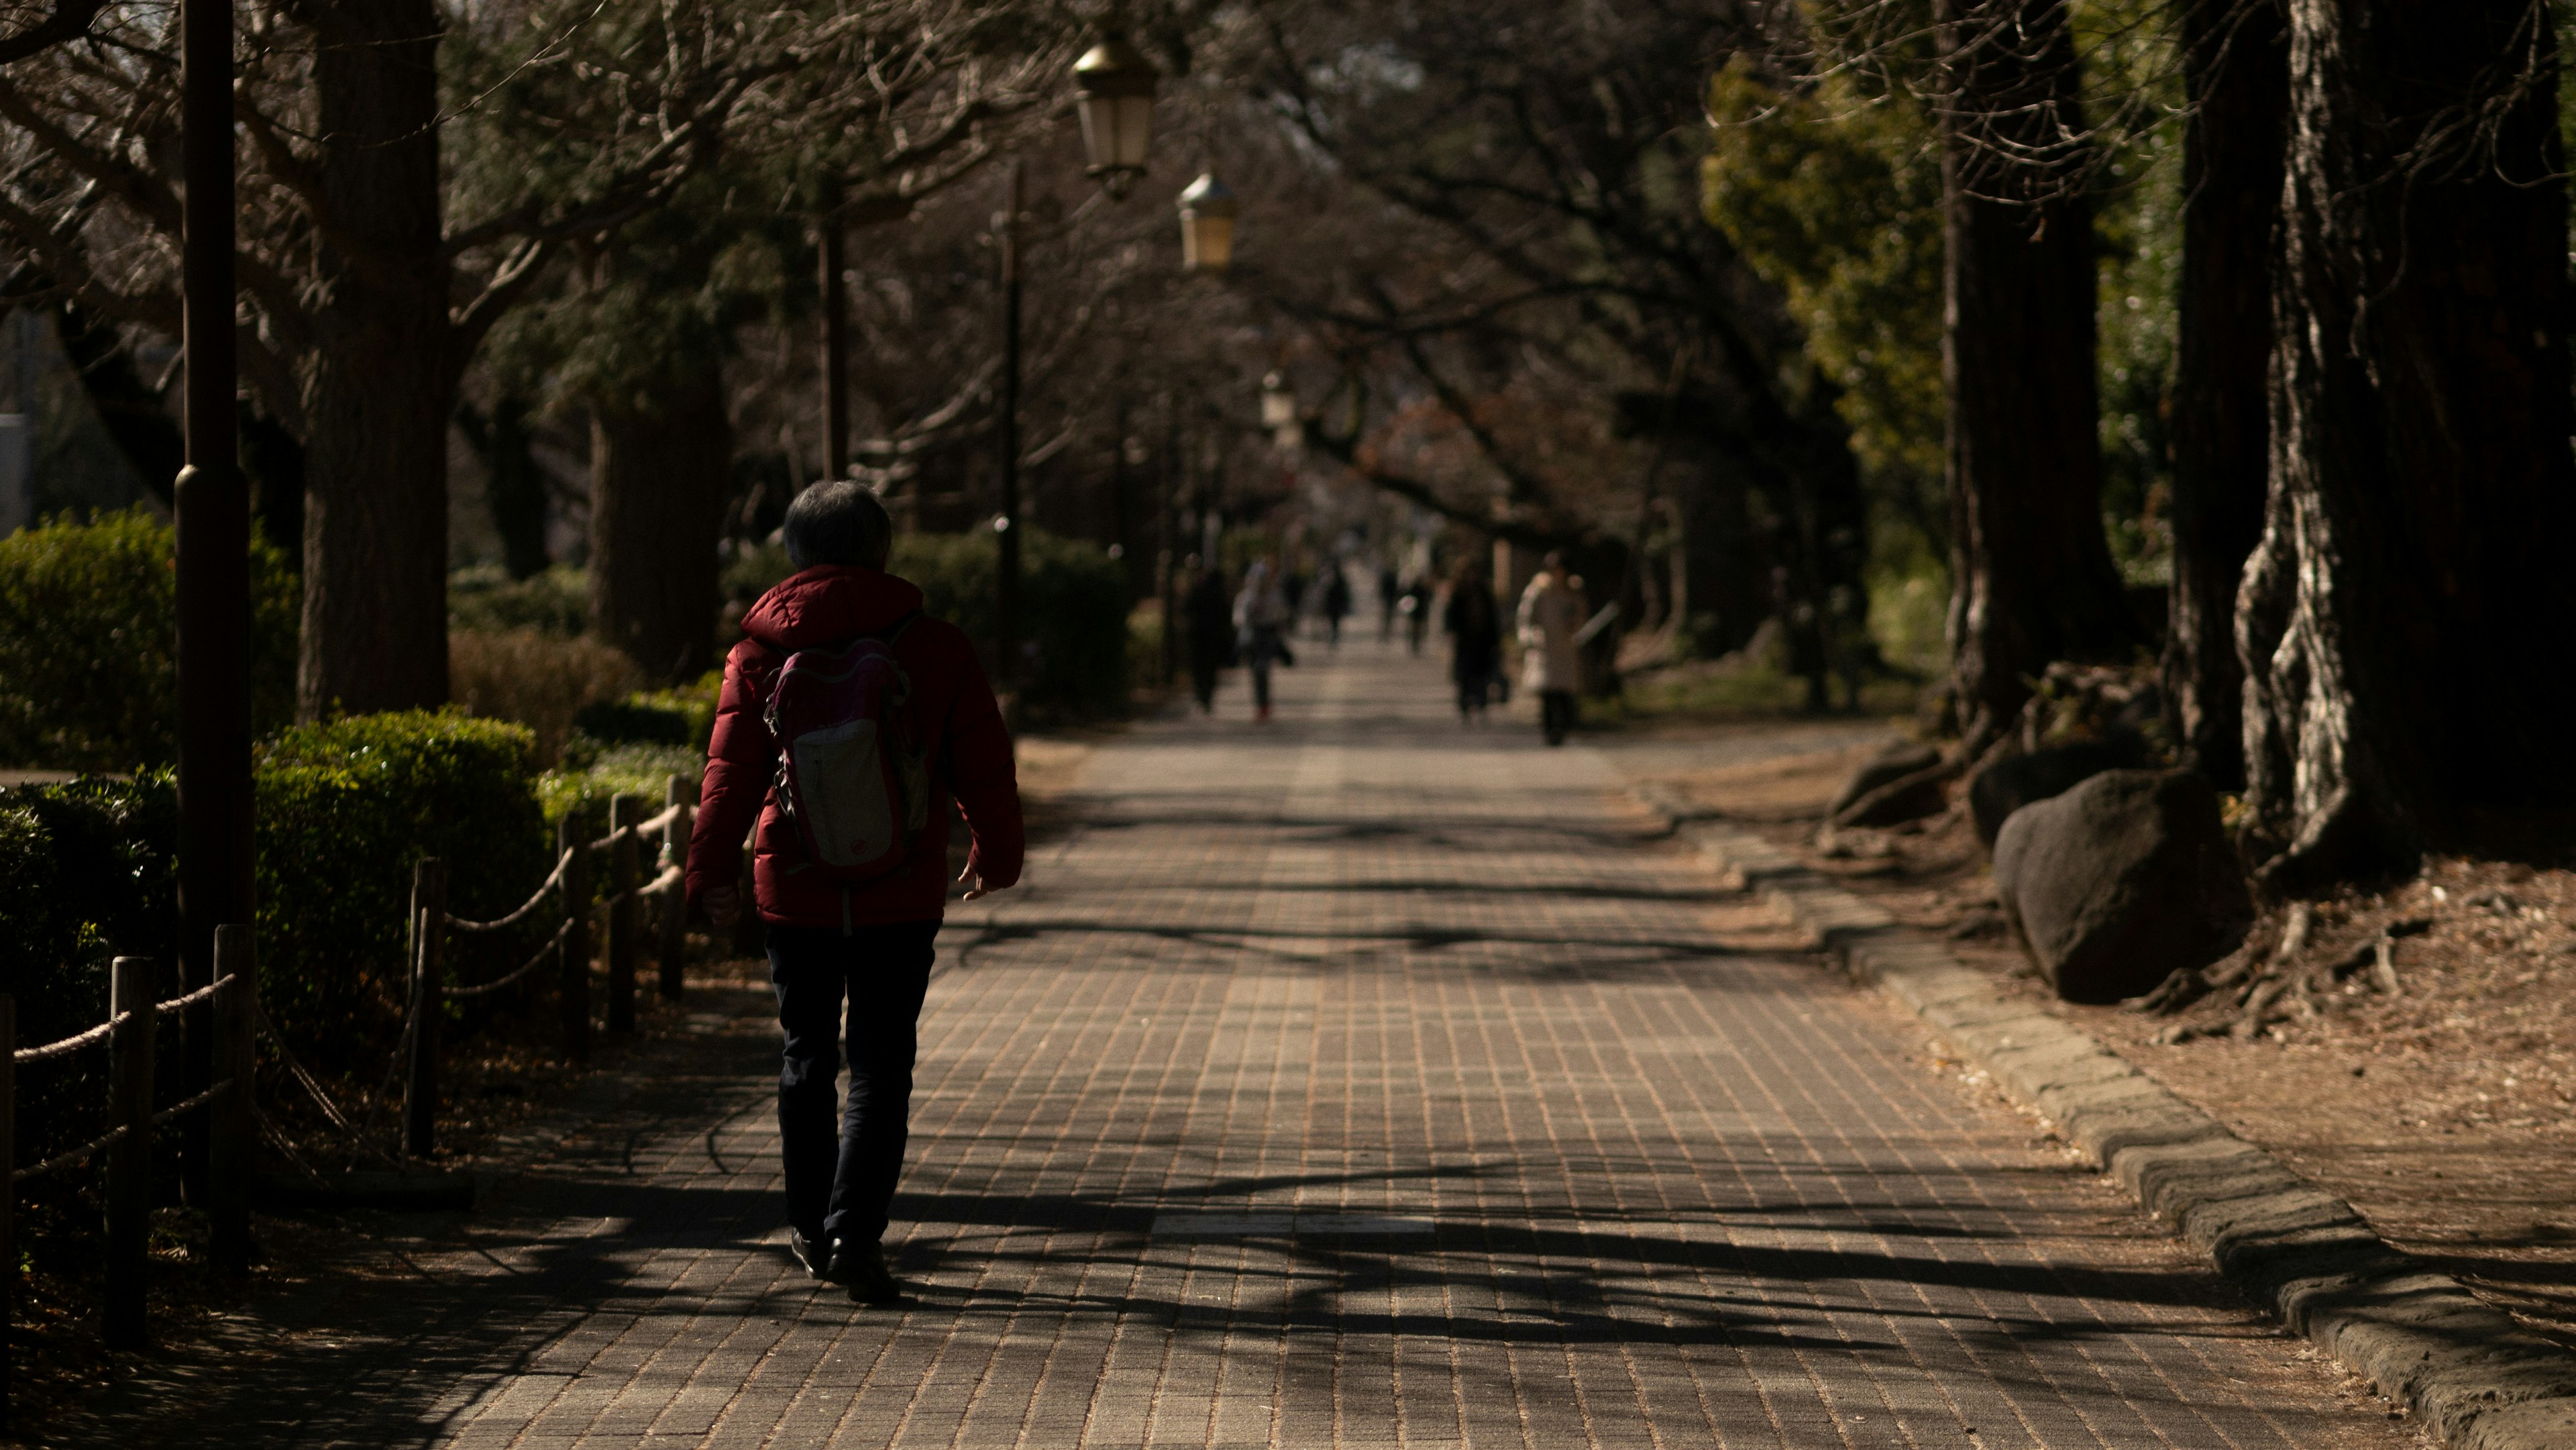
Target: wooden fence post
x: 232, y: 1126
x: 129, y: 1158
x: 428, y: 1006
x: 675, y: 902
x: 8, y: 1196
x: 574, y: 995
x: 626, y: 869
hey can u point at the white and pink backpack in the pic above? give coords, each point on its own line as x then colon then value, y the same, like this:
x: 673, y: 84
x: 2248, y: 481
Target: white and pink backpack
x: 851, y: 780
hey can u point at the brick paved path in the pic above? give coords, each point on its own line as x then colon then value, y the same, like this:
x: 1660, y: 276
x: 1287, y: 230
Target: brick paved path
x: 1356, y: 1082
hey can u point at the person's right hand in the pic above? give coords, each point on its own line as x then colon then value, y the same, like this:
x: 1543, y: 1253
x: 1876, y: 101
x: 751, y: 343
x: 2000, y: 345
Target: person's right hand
x: 723, y: 905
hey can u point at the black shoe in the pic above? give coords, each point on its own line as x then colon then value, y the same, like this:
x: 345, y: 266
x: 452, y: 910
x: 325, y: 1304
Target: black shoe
x: 862, y: 1267
x: 815, y: 1258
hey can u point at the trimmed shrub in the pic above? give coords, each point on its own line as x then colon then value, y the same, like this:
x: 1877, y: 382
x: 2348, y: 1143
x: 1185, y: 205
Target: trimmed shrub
x: 1073, y: 610
x: 536, y: 680
x: 593, y: 772
x: 88, y: 643
x: 85, y: 877
x: 486, y: 599
x: 346, y: 809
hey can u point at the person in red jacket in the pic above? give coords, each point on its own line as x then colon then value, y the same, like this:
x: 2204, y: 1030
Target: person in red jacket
x: 871, y: 942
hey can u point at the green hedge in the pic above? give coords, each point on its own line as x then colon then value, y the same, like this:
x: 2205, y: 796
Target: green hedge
x: 1073, y: 609
x: 88, y: 636
x: 85, y: 877
x: 346, y: 809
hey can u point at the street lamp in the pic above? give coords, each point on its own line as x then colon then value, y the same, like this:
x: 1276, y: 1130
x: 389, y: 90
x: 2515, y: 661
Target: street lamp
x: 1279, y: 412
x: 1208, y: 210
x: 1114, y: 84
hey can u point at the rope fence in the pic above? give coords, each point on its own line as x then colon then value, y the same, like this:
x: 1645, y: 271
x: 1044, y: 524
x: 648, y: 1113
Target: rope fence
x: 228, y: 1006
x: 135, y: 1014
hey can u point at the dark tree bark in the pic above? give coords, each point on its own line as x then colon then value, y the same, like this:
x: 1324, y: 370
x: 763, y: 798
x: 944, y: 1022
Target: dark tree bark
x: 660, y: 477
x: 383, y: 382
x: 2032, y: 572
x: 1720, y: 579
x: 2409, y: 672
x: 2236, y: 74
x: 514, y: 483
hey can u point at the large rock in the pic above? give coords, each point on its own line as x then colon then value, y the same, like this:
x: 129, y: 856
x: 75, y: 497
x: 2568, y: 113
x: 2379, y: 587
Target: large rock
x: 2018, y: 780
x: 2114, y: 884
x: 1884, y: 769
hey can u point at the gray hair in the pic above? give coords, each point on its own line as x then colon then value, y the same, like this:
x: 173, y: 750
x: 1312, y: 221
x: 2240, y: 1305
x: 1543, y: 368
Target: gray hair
x: 838, y: 521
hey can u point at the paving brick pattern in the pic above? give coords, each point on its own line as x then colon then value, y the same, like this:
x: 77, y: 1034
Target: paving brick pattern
x: 1357, y: 1082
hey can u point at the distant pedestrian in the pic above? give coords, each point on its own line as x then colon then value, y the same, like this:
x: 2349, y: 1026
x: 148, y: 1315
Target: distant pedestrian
x: 1209, y: 611
x: 1337, y: 603
x: 1417, y: 612
x: 850, y: 917
x: 1475, y: 627
x: 1261, y: 617
x: 1388, y: 589
x: 1551, y: 611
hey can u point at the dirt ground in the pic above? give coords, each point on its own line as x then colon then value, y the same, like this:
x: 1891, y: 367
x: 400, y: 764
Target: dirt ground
x: 2442, y: 1112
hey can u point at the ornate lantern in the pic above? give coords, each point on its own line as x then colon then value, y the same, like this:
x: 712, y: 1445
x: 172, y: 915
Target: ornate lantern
x: 1114, y: 84
x: 1208, y: 210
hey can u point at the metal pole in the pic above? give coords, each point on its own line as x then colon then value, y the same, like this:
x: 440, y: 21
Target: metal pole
x: 836, y: 348
x: 213, y: 513
x: 235, y: 1126
x: 1168, y: 468
x: 1006, y: 588
x: 129, y: 1158
x: 428, y: 1005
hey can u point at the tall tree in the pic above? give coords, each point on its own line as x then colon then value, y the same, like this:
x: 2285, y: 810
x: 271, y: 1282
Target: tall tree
x: 2409, y: 674
x: 2032, y: 577
x: 374, y: 257
x: 1537, y: 180
x: 2236, y: 79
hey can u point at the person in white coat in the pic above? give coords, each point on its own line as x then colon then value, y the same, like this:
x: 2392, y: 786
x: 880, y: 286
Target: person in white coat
x: 1551, y: 666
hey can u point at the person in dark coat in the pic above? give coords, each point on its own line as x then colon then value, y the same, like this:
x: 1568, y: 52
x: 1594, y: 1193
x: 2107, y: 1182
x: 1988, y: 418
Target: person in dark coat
x: 869, y: 943
x: 1475, y: 628
x: 1209, y: 610
x: 1337, y: 602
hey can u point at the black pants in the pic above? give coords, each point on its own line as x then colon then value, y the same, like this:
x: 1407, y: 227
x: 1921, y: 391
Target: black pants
x: 1556, y: 713
x: 838, y: 1188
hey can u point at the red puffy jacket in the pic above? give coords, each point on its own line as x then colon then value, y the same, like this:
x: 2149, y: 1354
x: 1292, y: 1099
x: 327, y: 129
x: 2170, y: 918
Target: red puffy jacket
x: 953, y: 714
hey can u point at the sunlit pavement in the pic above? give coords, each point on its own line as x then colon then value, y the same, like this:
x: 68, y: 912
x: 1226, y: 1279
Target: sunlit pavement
x: 1357, y: 1080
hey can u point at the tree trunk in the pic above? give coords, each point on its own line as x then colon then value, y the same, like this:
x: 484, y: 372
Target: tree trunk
x: 2236, y: 74
x: 2032, y: 572
x: 659, y: 481
x: 514, y: 483
x: 382, y: 384
x: 1721, y: 588
x: 2409, y: 673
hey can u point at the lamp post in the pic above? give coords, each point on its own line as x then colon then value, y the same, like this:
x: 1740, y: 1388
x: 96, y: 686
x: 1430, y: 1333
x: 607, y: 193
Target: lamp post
x: 1114, y: 86
x: 836, y: 352
x: 1208, y: 209
x: 213, y: 584
x: 1006, y: 524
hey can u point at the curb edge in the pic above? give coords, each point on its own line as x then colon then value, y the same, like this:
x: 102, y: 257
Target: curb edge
x: 2462, y: 1366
